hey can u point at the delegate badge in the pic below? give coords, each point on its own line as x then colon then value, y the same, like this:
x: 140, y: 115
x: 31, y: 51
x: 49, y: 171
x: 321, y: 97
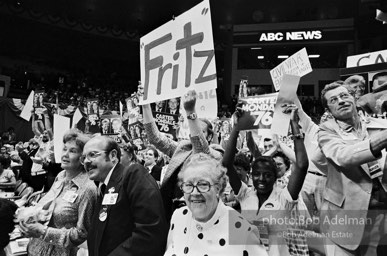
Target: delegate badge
x: 110, y: 199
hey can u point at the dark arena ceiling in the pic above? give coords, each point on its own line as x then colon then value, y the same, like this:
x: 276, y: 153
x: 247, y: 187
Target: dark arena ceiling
x: 104, y: 34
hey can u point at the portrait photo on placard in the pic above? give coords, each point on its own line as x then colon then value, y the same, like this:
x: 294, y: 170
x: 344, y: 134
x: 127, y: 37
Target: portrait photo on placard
x: 93, y: 120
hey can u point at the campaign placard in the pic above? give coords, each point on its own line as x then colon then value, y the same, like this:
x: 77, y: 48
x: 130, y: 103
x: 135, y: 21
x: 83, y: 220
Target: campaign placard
x: 179, y: 56
x: 262, y: 108
x: 167, y: 123
x: 111, y: 125
x: 93, y: 119
x: 133, y: 111
x: 298, y: 64
x: 365, y: 59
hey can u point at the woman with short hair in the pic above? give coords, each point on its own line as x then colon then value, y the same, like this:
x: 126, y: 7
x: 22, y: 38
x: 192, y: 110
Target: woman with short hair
x: 59, y: 223
x: 206, y: 226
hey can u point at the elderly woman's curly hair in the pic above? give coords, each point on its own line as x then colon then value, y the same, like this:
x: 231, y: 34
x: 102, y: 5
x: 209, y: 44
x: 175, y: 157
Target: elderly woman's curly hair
x: 216, y: 171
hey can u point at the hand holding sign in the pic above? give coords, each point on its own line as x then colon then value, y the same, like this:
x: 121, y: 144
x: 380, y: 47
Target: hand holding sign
x: 291, y: 109
x: 243, y: 119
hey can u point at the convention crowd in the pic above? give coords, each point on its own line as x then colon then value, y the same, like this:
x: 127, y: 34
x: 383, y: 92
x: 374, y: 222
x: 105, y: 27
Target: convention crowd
x: 223, y: 190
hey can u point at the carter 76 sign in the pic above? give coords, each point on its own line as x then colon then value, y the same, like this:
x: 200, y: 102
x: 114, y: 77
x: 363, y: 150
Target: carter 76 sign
x: 179, y: 56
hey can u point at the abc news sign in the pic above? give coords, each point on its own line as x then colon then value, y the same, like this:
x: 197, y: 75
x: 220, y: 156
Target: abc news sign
x: 290, y: 36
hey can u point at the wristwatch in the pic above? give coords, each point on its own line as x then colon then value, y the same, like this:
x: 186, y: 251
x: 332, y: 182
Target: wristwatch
x: 192, y: 116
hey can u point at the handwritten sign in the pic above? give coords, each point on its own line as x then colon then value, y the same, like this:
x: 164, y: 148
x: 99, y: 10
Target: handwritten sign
x: 178, y: 56
x: 262, y: 108
x: 298, y: 64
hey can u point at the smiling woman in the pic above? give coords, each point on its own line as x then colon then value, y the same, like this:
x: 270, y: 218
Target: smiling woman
x: 205, y: 218
x: 61, y: 219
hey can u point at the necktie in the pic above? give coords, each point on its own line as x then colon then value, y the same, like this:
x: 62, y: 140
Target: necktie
x: 102, y: 190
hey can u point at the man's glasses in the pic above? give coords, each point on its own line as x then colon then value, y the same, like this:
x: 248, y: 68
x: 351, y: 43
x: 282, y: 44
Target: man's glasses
x: 201, y: 186
x: 342, y: 96
x: 91, y: 156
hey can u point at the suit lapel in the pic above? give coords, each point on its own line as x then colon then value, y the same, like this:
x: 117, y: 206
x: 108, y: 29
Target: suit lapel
x: 113, y: 183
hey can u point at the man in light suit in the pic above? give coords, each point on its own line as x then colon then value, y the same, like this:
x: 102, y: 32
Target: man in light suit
x: 357, y: 173
x: 129, y: 217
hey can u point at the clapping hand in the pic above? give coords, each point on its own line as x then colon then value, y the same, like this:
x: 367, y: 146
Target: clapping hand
x: 34, y: 229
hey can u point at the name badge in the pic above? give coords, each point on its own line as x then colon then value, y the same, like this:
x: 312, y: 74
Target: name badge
x: 110, y: 199
x: 70, y: 196
x: 375, y: 170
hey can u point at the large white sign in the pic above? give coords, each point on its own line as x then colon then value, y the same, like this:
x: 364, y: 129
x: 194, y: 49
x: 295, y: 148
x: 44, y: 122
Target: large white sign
x: 61, y: 125
x: 287, y: 95
x: 298, y: 64
x: 178, y: 56
x: 367, y: 59
x: 28, y: 107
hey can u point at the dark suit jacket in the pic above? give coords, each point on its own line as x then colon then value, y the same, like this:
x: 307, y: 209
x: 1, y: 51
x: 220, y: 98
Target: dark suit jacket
x: 136, y: 224
x: 156, y: 172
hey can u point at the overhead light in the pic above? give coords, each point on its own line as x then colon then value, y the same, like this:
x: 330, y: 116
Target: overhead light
x: 256, y: 48
x: 283, y: 56
x: 314, y: 56
x: 260, y: 57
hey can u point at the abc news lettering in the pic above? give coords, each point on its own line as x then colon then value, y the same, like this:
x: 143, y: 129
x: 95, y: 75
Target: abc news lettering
x: 291, y: 36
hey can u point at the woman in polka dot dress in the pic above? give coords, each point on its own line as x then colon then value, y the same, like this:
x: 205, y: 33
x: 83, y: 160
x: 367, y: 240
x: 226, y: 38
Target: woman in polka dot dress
x: 206, y: 226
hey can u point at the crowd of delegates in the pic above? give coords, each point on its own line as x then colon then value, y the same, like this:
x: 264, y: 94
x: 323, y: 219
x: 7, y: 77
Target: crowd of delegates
x: 221, y: 192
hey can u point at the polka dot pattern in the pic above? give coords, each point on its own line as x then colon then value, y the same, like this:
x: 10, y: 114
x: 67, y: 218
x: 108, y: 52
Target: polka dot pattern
x: 186, y: 250
x: 245, y: 253
x: 185, y: 231
x: 185, y: 211
x: 222, y: 242
x: 172, y: 226
x: 238, y: 224
x: 200, y: 235
x: 216, y: 222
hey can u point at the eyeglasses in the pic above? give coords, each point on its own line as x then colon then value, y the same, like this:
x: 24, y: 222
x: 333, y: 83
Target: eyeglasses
x: 342, y: 96
x: 201, y: 186
x: 91, y: 156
